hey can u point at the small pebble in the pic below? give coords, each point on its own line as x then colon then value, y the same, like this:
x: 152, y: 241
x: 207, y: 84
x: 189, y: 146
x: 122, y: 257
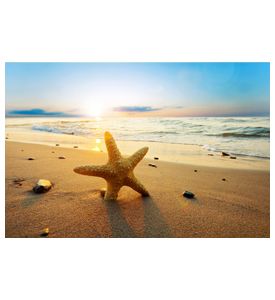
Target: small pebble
x: 102, y: 192
x: 17, y: 181
x: 156, y: 158
x: 152, y: 165
x: 56, y: 145
x: 223, y: 179
x: 7, y: 138
x: 210, y: 154
x: 75, y: 146
x: 22, y: 150
x: 189, y: 195
x: 53, y: 152
x: 233, y: 157
x: 61, y: 157
x: 195, y: 170
x: 30, y: 158
x: 225, y: 154
x: 45, y: 232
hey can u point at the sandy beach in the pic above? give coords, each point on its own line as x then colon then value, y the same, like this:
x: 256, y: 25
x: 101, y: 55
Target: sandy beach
x: 235, y: 207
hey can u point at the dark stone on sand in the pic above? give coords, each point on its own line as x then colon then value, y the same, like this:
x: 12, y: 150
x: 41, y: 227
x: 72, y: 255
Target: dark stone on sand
x: 61, y: 157
x: 57, y: 145
x: 223, y: 179
x: 210, y: 154
x: 152, y: 165
x: 195, y: 170
x: 102, y: 192
x: 233, y: 157
x: 7, y: 138
x: 53, y: 152
x: 39, y: 189
x: 30, y: 158
x: 45, y: 232
x: 225, y: 154
x: 18, y: 180
x: 156, y: 158
x: 75, y: 146
x: 42, y: 186
x: 188, y: 195
x: 22, y: 150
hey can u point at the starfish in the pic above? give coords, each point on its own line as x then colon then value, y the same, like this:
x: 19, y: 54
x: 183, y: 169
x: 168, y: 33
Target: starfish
x: 118, y: 171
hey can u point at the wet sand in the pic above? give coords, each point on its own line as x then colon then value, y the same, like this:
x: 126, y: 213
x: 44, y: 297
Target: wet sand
x: 235, y: 207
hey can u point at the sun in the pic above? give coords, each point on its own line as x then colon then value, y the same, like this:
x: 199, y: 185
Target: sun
x: 95, y: 110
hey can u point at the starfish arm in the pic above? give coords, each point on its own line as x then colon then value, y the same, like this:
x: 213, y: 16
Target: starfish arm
x: 111, y: 146
x: 137, y: 156
x: 134, y: 183
x: 112, y: 191
x: 99, y: 171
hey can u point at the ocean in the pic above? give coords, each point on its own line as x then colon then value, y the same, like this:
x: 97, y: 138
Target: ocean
x: 248, y: 136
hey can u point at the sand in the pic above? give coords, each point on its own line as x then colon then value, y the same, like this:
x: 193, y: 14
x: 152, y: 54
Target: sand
x: 236, y: 207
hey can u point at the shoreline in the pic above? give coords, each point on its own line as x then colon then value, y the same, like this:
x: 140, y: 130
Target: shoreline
x: 210, y: 134
x: 176, y: 153
x: 235, y: 207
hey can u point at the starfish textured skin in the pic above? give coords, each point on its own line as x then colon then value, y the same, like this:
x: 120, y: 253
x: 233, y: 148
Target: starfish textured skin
x: 118, y: 171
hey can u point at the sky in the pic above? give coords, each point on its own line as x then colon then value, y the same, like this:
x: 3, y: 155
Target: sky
x: 137, y: 89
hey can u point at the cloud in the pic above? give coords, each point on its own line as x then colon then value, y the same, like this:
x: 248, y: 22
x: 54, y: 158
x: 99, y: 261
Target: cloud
x: 35, y: 112
x: 134, y: 109
x: 174, y: 107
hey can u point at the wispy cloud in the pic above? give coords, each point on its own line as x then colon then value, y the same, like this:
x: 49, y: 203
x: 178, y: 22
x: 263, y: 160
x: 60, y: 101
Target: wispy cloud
x: 174, y: 107
x: 135, y: 109
x: 35, y: 112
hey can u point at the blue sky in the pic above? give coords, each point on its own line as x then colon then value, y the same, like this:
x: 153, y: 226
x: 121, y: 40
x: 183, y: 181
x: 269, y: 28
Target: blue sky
x: 151, y: 89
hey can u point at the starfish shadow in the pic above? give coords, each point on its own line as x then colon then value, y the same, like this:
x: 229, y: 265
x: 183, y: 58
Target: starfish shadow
x: 119, y: 226
x: 154, y: 223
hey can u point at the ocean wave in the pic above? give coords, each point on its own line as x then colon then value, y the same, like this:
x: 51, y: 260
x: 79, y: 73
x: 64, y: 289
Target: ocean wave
x: 53, y: 129
x: 251, y: 135
x: 163, y: 132
x: 246, y: 132
x: 233, y: 120
x: 239, y: 135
